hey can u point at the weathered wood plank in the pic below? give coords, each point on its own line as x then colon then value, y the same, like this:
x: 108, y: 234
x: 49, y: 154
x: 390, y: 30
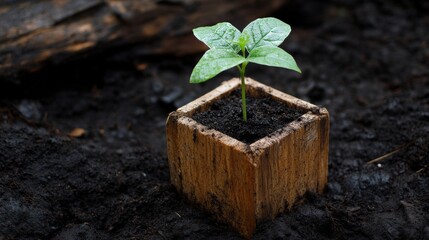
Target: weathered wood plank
x: 24, y: 17
x: 34, y: 34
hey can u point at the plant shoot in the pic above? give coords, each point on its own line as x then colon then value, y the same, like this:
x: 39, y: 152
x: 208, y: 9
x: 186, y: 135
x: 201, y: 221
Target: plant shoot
x: 258, y: 43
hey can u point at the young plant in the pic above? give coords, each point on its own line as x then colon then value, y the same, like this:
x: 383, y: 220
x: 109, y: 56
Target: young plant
x: 229, y: 48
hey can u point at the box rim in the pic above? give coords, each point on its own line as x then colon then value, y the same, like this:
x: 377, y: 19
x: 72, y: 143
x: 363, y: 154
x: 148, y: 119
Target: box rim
x: 256, y: 148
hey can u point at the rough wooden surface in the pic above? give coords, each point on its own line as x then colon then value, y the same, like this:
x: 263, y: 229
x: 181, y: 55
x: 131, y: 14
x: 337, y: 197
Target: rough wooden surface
x: 293, y: 161
x: 212, y: 170
x: 35, y: 33
x: 243, y: 184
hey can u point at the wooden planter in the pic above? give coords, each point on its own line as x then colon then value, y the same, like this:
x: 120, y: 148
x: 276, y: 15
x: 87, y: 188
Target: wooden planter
x: 243, y: 184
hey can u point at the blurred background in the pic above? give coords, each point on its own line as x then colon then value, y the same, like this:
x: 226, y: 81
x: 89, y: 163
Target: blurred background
x: 86, y: 86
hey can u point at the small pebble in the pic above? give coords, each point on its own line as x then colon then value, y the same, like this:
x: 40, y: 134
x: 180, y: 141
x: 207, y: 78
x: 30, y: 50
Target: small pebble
x: 172, y: 95
x: 30, y: 109
x: 157, y: 87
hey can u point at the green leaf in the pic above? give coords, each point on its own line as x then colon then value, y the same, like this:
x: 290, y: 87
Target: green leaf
x: 266, y: 32
x: 273, y: 56
x: 220, y: 36
x: 213, y: 62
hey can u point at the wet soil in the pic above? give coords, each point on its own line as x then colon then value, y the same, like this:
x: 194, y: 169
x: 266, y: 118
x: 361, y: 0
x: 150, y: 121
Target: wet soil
x: 365, y: 61
x: 264, y: 117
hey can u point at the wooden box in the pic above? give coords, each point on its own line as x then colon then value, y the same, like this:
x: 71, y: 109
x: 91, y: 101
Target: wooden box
x: 243, y: 184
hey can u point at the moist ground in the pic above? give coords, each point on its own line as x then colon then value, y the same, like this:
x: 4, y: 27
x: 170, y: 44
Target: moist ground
x: 264, y: 116
x: 365, y: 61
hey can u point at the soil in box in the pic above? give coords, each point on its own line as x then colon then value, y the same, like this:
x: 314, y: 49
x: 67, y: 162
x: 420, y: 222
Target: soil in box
x: 264, y: 116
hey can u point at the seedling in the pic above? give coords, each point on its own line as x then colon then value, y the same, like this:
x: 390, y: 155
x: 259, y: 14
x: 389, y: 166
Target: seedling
x: 258, y: 43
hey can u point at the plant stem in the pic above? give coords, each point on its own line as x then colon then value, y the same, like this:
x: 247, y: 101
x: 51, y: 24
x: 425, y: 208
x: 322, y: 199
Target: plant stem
x: 243, y: 94
x: 242, y: 70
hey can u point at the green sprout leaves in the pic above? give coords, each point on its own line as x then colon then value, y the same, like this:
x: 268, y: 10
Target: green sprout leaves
x: 220, y: 36
x: 213, y: 62
x: 227, y: 47
x: 258, y: 43
x: 273, y: 56
x: 266, y: 32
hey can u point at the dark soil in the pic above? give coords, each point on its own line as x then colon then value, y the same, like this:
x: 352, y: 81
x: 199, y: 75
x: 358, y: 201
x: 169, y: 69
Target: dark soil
x: 264, y: 117
x: 367, y: 62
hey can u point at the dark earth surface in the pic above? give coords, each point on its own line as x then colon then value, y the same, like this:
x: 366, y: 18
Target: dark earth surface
x: 226, y: 116
x: 367, y: 62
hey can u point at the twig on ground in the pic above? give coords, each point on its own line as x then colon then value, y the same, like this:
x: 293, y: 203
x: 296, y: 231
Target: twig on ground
x: 379, y: 159
x: 423, y: 168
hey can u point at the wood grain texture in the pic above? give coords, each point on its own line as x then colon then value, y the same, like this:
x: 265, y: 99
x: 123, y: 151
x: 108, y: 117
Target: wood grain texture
x: 34, y: 34
x: 243, y: 184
